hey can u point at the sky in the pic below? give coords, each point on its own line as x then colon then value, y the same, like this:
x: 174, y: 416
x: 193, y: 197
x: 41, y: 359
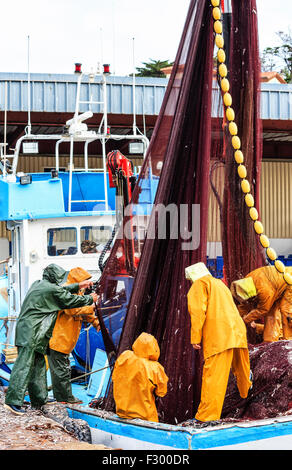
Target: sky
x: 122, y: 33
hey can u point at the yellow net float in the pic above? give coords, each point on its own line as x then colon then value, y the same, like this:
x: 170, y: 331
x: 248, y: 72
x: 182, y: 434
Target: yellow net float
x: 218, y: 28
x: 221, y: 56
x: 265, y: 242
x: 258, y: 226
x: 245, y: 186
x: 279, y: 266
x: 253, y: 213
x: 215, y: 3
x: 225, y: 85
x: 249, y: 200
x: 233, y: 128
x: 271, y: 254
x: 216, y: 13
x: 236, y: 142
x: 230, y: 114
x: 227, y: 99
x: 219, y: 41
x: 238, y: 155
x: 288, y: 278
x: 223, y: 70
x: 241, y: 170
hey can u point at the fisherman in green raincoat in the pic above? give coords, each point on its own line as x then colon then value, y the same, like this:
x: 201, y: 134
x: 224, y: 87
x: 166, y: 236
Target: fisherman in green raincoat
x: 34, y: 328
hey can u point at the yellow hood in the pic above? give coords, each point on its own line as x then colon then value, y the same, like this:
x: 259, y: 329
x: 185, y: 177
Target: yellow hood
x: 243, y: 289
x: 77, y: 275
x: 147, y: 347
x: 196, y: 271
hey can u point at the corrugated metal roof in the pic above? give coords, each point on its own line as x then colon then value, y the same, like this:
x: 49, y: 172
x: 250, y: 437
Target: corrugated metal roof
x: 57, y: 93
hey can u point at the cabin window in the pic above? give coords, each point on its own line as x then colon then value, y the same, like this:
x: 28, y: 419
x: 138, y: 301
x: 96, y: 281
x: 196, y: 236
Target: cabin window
x: 94, y: 238
x: 62, y: 241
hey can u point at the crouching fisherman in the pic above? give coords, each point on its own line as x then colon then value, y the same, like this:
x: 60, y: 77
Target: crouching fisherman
x: 216, y: 322
x: 33, y: 331
x: 137, y: 378
x: 265, y: 295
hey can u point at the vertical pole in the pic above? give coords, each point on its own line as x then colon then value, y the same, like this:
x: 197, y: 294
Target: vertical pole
x: 70, y: 175
x: 134, y: 90
x: 227, y: 17
x: 104, y: 106
x: 57, y: 155
x: 86, y: 155
x: 78, y: 97
x: 104, y: 173
x: 5, y: 130
x: 28, y: 86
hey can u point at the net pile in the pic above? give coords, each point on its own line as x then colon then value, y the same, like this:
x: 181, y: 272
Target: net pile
x: 271, y: 394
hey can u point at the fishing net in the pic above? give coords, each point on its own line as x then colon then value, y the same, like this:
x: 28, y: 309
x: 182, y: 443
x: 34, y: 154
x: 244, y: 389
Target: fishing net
x: 189, y: 157
x: 272, y: 383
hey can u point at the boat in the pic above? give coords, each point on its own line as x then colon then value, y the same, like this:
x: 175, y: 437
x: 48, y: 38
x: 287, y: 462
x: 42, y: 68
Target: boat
x: 65, y: 217
x: 38, y: 228
x: 109, y: 429
x: 134, y: 434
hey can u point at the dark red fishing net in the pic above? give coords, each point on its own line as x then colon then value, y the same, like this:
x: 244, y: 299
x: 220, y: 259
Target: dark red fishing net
x: 271, y: 394
x: 242, y: 251
x: 185, y: 138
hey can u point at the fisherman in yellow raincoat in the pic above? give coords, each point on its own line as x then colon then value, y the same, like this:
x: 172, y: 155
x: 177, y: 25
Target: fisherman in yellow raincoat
x: 264, y: 295
x: 217, y: 325
x: 137, y: 376
x: 64, y: 338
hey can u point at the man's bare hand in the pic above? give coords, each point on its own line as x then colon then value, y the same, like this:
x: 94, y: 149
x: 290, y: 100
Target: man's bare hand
x: 85, y: 284
x: 94, y: 296
x: 196, y: 346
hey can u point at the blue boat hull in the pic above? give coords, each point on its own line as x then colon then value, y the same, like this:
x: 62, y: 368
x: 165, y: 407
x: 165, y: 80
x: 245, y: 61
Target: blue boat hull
x: 108, y: 429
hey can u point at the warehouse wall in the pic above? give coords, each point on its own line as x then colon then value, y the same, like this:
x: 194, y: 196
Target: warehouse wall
x: 275, y: 201
x: 275, y: 195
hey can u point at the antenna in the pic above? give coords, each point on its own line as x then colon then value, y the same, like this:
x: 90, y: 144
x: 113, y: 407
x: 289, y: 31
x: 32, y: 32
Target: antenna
x: 134, y: 94
x: 101, y: 46
x: 28, y: 87
x: 114, y: 38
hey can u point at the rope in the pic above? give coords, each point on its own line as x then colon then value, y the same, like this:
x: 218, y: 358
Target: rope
x: 105, y: 249
x: 89, y: 373
x: 236, y: 143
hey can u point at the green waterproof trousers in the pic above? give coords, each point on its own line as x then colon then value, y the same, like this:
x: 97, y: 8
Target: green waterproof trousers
x: 28, y: 374
x: 60, y: 374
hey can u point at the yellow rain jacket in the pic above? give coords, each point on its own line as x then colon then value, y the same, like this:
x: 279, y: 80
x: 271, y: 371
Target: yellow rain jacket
x: 68, y: 324
x: 215, y: 319
x: 274, y: 300
x: 216, y: 323
x: 137, y: 376
x: 272, y: 328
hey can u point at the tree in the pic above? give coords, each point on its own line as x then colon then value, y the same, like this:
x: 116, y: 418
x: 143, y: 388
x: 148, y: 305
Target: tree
x: 153, y: 68
x: 279, y: 58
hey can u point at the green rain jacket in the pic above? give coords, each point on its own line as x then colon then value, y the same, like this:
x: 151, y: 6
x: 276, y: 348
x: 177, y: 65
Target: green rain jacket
x: 40, y: 307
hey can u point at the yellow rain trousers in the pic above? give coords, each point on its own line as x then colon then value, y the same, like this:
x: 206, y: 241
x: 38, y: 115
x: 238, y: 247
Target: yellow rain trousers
x: 137, y: 378
x: 216, y: 323
x: 274, y: 304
